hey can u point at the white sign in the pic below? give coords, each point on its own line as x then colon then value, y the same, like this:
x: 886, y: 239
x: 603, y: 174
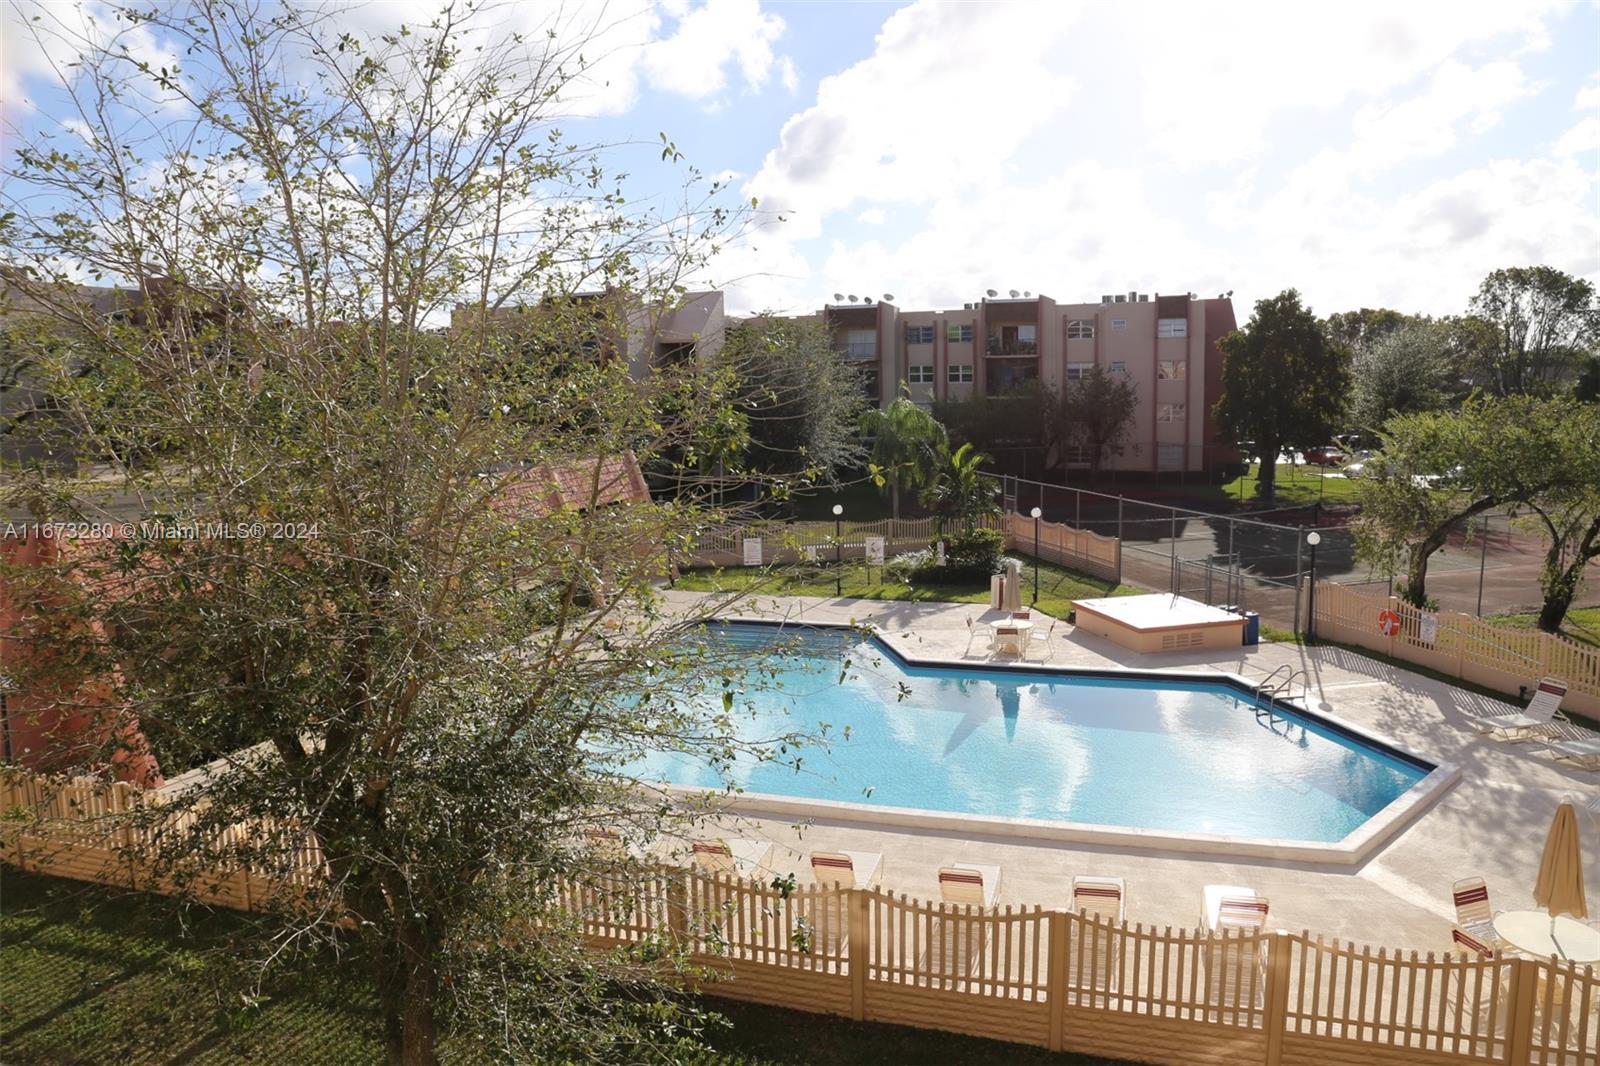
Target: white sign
x: 1429, y: 631
x: 811, y: 553
x: 874, y: 551
x: 938, y: 553
x: 752, y: 551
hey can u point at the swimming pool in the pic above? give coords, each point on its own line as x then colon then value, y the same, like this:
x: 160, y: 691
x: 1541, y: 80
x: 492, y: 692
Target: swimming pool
x: 1173, y: 757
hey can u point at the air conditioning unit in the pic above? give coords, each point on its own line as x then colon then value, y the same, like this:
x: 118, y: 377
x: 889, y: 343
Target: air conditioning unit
x: 966, y: 307
x: 1144, y: 297
x: 1108, y: 298
x: 1120, y: 299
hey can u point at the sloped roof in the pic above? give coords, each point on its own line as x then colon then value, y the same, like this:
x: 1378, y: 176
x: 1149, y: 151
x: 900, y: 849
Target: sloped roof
x: 576, y: 484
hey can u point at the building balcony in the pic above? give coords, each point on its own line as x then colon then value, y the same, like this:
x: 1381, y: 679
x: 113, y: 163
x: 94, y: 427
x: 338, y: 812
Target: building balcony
x: 1012, y: 346
x: 860, y: 349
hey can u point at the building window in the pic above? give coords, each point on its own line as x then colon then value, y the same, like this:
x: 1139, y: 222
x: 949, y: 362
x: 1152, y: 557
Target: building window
x: 1173, y: 370
x: 960, y: 373
x: 1169, y: 412
x: 919, y: 334
x: 1172, y: 327
x: 1118, y: 366
x: 920, y: 374
x: 1170, y: 457
x: 959, y: 334
x: 1008, y: 375
x: 1076, y: 454
x: 1080, y: 329
x: 861, y: 343
x: 1119, y: 323
x: 1014, y: 340
x: 1077, y: 371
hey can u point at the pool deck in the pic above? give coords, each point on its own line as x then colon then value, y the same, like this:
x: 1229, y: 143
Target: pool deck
x: 1491, y: 823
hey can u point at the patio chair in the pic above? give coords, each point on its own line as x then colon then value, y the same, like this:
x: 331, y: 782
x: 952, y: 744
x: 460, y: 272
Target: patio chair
x: 1466, y: 944
x: 1047, y: 640
x: 742, y: 858
x: 972, y: 634
x: 971, y: 883
x: 1471, y: 898
x: 1008, y: 641
x: 1537, y: 719
x: 1583, y: 750
x: 605, y: 843
x: 1100, y: 898
x: 1464, y: 989
x: 1235, y: 965
x: 956, y: 940
x: 847, y: 869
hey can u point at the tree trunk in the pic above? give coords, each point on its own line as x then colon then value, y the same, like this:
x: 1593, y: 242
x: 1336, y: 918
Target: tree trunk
x: 1415, y: 591
x: 1554, y: 610
x: 409, y: 985
x: 894, y: 500
x: 1267, y: 473
x: 1560, y: 583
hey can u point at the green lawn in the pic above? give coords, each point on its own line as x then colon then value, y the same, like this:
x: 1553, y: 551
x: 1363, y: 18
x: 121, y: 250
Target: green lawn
x: 1058, y: 587
x: 94, y: 974
x: 1296, y: 486
x: 1582, y: 624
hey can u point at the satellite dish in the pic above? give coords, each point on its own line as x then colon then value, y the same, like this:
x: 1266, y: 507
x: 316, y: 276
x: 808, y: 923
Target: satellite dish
x: 867, y: 300
x: 991, y: 292
x: 854, y: 298
x: 1014, y: 294
x: 1027, y: 293
x: 838, y: 297
x: 888, y: 296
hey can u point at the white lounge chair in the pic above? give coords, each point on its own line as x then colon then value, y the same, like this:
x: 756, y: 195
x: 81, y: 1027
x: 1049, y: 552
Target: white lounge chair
x: 1231, y: 911
x: 743, y: 858
x: 1583, y: 750
x: 1538, y: 718
x: 970, y: 883
x: 847, y: 869
x: 1101, y: 898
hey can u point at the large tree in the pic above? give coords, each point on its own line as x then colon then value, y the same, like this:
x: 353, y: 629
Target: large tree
x: 908, y: 446
x: 1092, y: 416
x: 1360, y: 330
x: 1408, y: 369
x: 1539, y: 324
x: 800, y: 398
x: 1437, y: 469
x: 1284, y: 382
x: 410, y: 568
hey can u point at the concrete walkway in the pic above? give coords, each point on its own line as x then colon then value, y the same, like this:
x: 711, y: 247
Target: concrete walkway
x: 1492, y: 823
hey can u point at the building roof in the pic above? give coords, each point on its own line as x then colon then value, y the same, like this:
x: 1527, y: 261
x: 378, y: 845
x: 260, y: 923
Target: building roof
x: 576, y: 484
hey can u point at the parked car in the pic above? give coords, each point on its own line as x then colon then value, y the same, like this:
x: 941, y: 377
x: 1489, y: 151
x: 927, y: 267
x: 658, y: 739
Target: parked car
x: 1327, y: 455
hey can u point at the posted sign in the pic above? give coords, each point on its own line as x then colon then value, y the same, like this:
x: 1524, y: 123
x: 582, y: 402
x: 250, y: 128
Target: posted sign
x: 752, y: 551
x: 874, y: 551
x: 1429, y: 630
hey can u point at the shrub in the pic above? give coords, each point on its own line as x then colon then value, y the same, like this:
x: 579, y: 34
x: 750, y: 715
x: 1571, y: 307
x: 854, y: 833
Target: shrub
x: 968, y: 557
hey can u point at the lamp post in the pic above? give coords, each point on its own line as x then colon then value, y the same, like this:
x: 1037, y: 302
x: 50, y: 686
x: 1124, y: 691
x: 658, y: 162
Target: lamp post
x: 1313, y: 538
x: 838, y: 549
x: 1036, y: 515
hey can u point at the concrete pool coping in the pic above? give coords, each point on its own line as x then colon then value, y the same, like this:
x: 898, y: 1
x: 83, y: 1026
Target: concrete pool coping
x: 1354, y: 850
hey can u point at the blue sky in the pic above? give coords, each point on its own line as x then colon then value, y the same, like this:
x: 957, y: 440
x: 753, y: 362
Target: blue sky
x: 1367, y: 154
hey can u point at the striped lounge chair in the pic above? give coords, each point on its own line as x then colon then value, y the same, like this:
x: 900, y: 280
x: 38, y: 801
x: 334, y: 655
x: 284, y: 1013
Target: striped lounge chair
x: 1096, y: 951
x: 1537, y: 719
x: 742, y: 858
x: 957, y: 939
x: 1233, y: 978
x: 847, y: 869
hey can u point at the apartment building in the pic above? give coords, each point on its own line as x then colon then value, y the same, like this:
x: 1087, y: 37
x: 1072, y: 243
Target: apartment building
x: 1165, y: 345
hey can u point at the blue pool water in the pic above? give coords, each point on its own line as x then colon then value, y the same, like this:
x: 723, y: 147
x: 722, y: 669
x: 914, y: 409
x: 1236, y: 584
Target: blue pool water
x: 1161, y: 755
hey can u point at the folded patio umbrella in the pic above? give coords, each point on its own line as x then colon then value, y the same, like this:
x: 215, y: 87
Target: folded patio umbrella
x: 1013, y: 586
x: 1559, y: 888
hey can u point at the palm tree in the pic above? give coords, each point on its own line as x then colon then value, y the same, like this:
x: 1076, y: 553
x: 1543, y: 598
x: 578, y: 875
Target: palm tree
x: 960, y: 492
x: 908, y: 446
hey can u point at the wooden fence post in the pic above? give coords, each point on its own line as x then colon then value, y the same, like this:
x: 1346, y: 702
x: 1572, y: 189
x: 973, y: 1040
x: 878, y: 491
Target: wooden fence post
x: 677, y: 908
x: 1521, y: 995
x: 1275, y: 1020
x: 1056, y: 980
x: 858, y: 948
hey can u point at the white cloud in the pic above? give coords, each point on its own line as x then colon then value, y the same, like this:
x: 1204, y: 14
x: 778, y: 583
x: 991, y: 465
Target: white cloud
x: 1458, y: 99
x: 787, y: 74
x: 1588, y: 98
x: 693, y: 61
x: 1582, y: 138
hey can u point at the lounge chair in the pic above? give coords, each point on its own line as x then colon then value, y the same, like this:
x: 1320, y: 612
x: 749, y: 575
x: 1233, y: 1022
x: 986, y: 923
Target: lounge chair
x: 1471, y: 897
x: 1536, y: 719
x: 1583, y: 750
x: 956, y: 941
x: 847, y: 869
x: 1101, y: 899
x: 743, y: 858
x: 1230, y: 912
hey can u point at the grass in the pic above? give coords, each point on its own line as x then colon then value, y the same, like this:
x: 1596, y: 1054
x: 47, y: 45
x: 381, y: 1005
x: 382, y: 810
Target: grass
x: 1582, y: 624
x: 1058, y: 586
x: 95, y: 974
x: 1296, y: 486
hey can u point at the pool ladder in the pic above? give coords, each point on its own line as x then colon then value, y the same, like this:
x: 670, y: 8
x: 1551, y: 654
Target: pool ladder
x: 1272, y: 686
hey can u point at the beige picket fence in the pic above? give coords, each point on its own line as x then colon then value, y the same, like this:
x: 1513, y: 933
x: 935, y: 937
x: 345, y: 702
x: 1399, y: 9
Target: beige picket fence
x: 1459, y: 645
x: 1024, y: 974
x: 1076, y: 549
x: 787, y: 542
